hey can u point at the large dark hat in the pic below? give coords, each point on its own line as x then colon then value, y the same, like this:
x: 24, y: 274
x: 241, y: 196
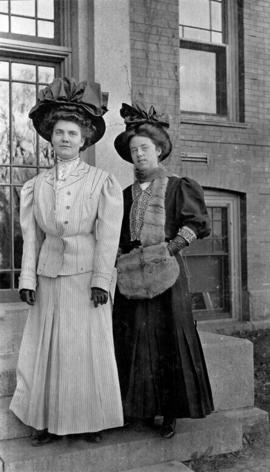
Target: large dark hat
x: 138, y: 120
x: 64, y: 94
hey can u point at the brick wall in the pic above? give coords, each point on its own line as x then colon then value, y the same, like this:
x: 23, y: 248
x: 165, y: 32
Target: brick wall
x: 239, y: 158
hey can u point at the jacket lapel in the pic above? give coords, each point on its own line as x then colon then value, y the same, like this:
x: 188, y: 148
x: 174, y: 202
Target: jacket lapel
x: 77, y: 174
x: 74, y: 176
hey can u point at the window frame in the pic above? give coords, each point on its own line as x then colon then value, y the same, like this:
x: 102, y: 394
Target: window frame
x: 230, y: 47
x: 232, y: 202
x: 57, y: 38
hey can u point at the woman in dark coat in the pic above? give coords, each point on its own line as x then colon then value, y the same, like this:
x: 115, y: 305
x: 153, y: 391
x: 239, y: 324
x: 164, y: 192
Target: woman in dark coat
x: 159, y: 355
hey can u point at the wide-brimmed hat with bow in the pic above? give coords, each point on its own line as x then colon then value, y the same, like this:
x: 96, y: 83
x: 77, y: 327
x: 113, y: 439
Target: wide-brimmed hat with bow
x: 65, y: 94
x: 138, y: 120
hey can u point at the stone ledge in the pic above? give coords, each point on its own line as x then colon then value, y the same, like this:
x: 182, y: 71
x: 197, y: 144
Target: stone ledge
x: 253, y: 420
x: 172, y: 466
x: 125, y: 449
x: 230, y: 367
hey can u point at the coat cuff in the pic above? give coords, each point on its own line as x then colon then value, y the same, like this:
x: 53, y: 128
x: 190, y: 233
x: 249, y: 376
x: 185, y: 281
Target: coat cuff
x: 27, y: 282
x: 101, y: 281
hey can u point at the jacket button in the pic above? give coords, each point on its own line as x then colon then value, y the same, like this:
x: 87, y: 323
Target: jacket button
x: 65, y: 222
x: 68, y: 192
x: 68, y: 207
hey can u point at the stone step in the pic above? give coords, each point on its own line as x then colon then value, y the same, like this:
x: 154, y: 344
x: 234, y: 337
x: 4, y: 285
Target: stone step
x: 8, y: 364
x: 10, y: 425
x: 172, y: 466
x: 124, y: 449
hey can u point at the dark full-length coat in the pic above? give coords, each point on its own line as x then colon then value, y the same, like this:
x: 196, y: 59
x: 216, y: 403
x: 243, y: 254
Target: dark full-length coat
x: 159, y: 355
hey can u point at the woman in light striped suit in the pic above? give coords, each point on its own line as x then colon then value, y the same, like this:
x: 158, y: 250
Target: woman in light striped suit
x: 67, y: 381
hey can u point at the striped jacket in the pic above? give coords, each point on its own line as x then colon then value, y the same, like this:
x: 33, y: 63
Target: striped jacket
x: 72, y: 229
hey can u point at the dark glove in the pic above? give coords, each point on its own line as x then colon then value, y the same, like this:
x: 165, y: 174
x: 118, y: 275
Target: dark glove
x: 176, y: 244
x: 28, y: 296
x: 99, y: 296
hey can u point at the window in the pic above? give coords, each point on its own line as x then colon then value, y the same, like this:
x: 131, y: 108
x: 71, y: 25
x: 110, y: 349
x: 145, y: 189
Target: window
x: 22, y: 154
x: 213, y: 263
x: 209, y: 57
x: 32, y: 54
x: 29, y: 18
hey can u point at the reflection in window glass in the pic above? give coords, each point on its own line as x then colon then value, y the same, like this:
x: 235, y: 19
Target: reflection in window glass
x: 20, y: 175
x: 216, y: 16
x: 23, y: 72
x: 195, y: 13
x: 21, y: 82
x: 4, y: 23
x: 45, y: 29
x: 28, y: 17
x: 5, y: 228
x: 45, y: 74
x: 201, y: 20
x: 45, y: 153
x: 197, y: 34
x: 197, y: 81
x: 21, y: 25
x: 4, y: 125
x: 4, y: 70
x: 217, y: 38
x: 23, y: 98
x: 45, y: 9
x: 4, y: 175
x: 4, y: 6
x: 27, y: 9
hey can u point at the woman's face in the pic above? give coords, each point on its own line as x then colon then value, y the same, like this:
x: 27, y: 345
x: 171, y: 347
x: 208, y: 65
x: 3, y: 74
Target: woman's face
x: 67, y: 139
x: 144, y: 152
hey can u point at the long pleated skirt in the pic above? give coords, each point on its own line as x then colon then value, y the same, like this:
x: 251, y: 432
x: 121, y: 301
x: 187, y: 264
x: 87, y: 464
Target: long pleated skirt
x: 67, y: 378
x: 160, y: 359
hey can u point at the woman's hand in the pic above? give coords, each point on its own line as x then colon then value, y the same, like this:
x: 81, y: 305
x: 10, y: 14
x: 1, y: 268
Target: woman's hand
x: 28, y: 296
x: 99, y: 296
x: 176, y: 245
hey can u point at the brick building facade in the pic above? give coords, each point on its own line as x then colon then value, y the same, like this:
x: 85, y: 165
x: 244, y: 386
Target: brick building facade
x: 228, y: 156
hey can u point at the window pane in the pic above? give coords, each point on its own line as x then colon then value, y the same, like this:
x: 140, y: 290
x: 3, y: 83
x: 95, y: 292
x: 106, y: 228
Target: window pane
x: 217, y: 38
x: 18, y: 243
x: 5, y: 228
x: 4, y: 23
x: 5, y: 280
x: 216, y: 16
x: 23, y: 98
x: 24, y: 72
x: 27, y: 7
x: 46, y: 74
x: 45, y: 9
x: 4, y: 6
x: 4, y: 175
x: 4, y: 123
x: 45, y: 154
x: 4, y: 73
x: 195, y: 13
x: 23, y: 26
x: 46, y: 29
x: 20, y: 175
x: 197, y: 81
x: 197, y: 34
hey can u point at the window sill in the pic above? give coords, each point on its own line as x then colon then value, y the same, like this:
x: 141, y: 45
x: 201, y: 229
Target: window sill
x: 213, y: 121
